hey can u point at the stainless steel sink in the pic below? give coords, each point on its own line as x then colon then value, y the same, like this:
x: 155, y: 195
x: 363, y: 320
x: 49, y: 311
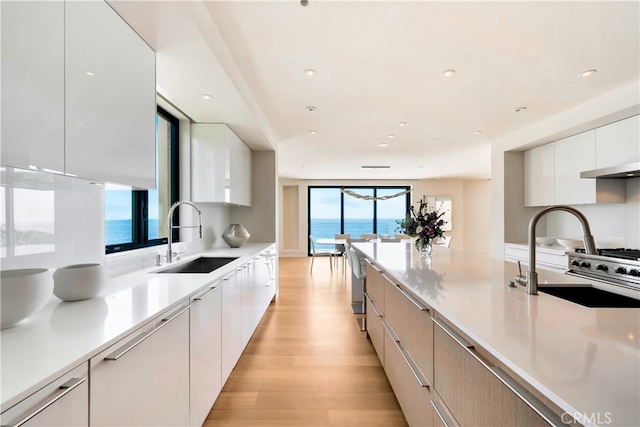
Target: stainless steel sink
x: 590, y: 297
x: 198, y: 265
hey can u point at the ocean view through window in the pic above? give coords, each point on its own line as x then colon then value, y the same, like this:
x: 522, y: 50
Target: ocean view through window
x: 332, y: 212
x: 138, y: 218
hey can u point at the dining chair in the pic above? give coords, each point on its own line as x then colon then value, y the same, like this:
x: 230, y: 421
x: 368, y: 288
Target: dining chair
x: 384, y: 236
x: 330, y: 253
x: 342, y: 249
x: 401, y: 237
x: 368, y: 236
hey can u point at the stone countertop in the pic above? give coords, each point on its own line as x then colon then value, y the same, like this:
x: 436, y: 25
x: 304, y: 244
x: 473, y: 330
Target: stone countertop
x: 585, y: 360
x: 63, y: 335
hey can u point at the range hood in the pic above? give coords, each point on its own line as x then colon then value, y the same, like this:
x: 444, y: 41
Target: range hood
x: 630, y: 170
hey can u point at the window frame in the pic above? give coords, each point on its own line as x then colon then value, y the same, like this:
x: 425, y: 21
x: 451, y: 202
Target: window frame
x: 375, y: 189
x: 140, y: 198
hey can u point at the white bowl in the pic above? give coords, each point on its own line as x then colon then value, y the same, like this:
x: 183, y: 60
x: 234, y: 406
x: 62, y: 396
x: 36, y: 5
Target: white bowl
x: 546, y: 241
x: 23, y: 292
x: 571, y: 243
x: 79, y: 281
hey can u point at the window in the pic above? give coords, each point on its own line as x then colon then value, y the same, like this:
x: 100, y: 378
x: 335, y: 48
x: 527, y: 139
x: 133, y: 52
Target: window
x: 138, y: 218
x: 332, y: 212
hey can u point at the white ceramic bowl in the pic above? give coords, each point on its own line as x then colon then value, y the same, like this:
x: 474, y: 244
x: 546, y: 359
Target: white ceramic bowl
x: 79, y: 281
x: 571, y: 243
x: 546, y: 241
x: 23, y: 292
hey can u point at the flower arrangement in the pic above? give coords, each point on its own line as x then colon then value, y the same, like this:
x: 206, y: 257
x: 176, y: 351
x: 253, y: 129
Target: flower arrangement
x: 424, y: 224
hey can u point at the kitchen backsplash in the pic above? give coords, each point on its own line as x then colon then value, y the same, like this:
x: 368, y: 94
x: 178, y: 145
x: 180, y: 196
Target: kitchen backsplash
x: 612, y: 225
x: 49, y: 220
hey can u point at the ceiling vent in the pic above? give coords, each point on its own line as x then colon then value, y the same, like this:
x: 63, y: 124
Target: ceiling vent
x: 375, y: 167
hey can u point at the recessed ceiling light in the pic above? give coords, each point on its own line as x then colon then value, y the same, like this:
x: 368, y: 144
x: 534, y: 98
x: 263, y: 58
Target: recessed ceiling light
x: 206, y: 96
x: 402, y: 123
x: 90, y: 74
x: 391, y: 136
x: 587, y: 73
x: 383, y: 144
x: 309, y: 72
x: 477, y: 132
x: 520, y: 109
x: 310, y: 108
x: 312, y: 132
x: 448, y: 73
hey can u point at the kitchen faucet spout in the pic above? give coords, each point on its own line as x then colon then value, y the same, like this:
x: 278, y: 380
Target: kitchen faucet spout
x: 531, y: 280
x: 170, y: 225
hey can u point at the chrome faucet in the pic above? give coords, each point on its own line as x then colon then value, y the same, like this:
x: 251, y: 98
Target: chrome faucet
x: 531, y: 280
x: 170, y: 225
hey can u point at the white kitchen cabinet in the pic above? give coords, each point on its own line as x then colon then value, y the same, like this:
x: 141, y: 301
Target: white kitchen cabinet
x: 33, y: 84
x: 572, y: 156
x: 220, y: 165
x: 618, y: 143
x: 143, y: 380
x: 539, y: 172
x: 231, y: 322
x: 205, y: 352
x: 375, y: 303
x: 252, y: 298
x: 63, y: 402
x: 110, y: 98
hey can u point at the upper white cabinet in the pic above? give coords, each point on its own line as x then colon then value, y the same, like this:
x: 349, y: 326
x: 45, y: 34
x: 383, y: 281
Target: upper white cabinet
x: 572, y: 156
x: 539, y: 173
x: 110, y: 103
x: 33, y: 84
x: 220, y: 165
x: 78, y: 92
x: 618, y: 143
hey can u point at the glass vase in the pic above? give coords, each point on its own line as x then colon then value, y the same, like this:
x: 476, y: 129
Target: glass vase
x: 424, y: 247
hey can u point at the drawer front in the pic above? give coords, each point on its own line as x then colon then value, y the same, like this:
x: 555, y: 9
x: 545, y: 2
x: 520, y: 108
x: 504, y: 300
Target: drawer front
x: 374, y: 285
x: 410, y: 386
x: 374, y: 327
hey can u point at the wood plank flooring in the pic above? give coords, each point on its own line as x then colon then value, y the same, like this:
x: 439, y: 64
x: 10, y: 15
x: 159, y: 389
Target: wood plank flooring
x: 308, y: 364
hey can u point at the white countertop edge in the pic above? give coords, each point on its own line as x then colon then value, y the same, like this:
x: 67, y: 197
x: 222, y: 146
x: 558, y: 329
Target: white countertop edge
x: 10, y: 394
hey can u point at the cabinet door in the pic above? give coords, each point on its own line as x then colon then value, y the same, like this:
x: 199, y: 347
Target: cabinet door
x: 231, y: 322
x: 205, y: 352
x: 251, y: 301
x: 240, y: 173
x: 375, y: 331
x: 209, y: 158
x: 110, y: 102
x: 472, y: 390
x: 572, y: 156
x: 64, y: 402
x: 618, y: 143
x: 33, y: 84
x: 375, y: 285
x: 144, y: 379
x: 411, y: 388
x: 539, y: 173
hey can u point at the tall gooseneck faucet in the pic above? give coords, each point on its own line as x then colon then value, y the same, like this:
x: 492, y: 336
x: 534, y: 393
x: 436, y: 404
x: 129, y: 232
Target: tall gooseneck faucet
x: 170, y: 225
x: 531, y: 280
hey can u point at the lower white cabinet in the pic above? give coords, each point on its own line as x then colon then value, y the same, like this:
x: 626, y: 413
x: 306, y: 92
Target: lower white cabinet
x: 252, y: 299
x: 205, y: 373
x: 231, y: 322
x: 143, y: 380
x: 64, y: 402
x: 375, y: 331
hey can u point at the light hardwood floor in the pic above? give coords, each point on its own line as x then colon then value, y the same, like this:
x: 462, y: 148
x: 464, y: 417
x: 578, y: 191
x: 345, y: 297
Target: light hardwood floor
x: 308, y: 364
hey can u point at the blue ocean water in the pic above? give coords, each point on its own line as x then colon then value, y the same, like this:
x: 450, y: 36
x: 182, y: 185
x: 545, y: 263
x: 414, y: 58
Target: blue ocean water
x: 328, y: 228
x: 118, y: 231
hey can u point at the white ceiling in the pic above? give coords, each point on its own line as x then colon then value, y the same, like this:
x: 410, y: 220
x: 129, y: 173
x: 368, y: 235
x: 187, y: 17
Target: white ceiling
x: 379, y: 63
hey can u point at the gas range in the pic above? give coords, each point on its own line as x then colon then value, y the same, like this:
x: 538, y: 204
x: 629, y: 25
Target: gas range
x: 620, y: 266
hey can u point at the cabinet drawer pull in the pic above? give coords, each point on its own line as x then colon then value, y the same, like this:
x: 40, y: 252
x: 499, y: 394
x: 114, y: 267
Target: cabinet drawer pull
x: 527, y: 397
x: 373, y: 305
x: 407, y: 358
x: 211, y: 290
x: 442, y: 414
x: 63, y: 390
x: 418, y: 304
x: 137, y: 340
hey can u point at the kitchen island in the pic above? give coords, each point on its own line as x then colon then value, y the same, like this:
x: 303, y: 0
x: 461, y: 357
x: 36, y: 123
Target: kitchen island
x: 583, y: 363
x: 65, y: 337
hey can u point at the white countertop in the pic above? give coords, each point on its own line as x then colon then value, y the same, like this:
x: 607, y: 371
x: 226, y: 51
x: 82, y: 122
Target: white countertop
x: 64, y: 334
x: 585, y: 360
